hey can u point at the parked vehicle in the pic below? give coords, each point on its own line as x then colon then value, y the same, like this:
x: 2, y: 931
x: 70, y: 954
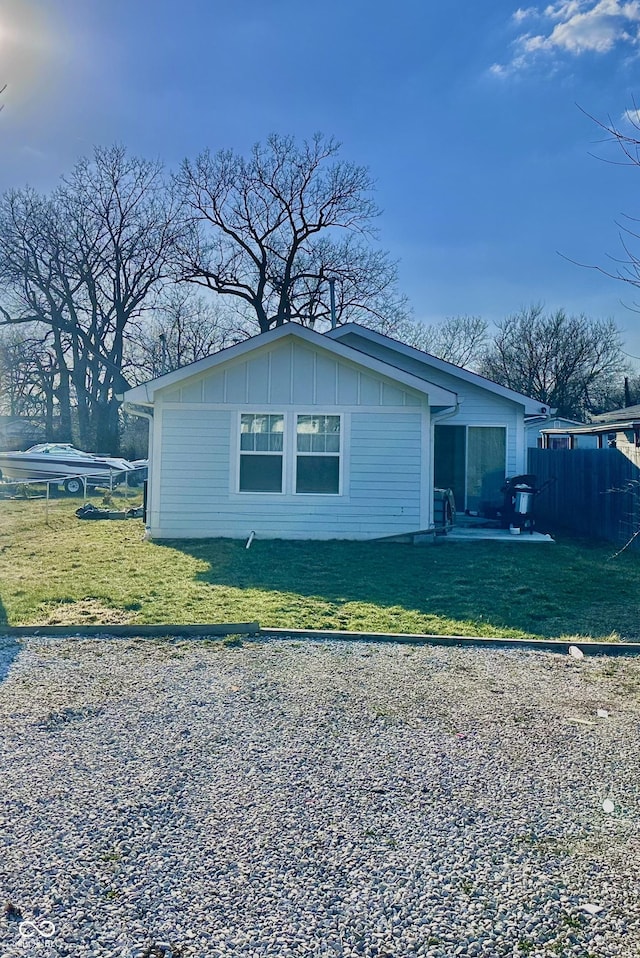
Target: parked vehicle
x: 141, y: 472
x: 62, y: 462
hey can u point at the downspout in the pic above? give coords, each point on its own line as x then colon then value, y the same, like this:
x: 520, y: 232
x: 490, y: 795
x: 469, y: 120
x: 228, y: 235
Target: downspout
x: 435, y: 421
x: 447, y: 414
x: 136, y: 410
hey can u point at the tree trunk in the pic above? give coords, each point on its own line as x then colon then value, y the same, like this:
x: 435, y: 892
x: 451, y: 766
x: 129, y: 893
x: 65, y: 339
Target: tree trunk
x: 107, y: 423
x: 63, y: 395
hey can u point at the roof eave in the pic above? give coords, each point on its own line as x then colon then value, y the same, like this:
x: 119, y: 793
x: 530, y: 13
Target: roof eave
x: 596, y: 429
x: 145, y: 394
x: 531, y: 406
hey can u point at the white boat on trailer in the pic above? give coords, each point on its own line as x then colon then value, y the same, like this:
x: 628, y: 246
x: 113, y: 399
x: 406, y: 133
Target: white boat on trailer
x: 62, y: 463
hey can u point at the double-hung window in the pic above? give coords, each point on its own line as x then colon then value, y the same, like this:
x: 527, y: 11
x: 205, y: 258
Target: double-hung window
x: 290, y: 454
x: 261, y: 452
x: 318, y: 454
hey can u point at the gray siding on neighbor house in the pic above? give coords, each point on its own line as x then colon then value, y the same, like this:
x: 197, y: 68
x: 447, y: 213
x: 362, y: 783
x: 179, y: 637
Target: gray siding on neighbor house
x: 478, y: 406
x: 194, y: 495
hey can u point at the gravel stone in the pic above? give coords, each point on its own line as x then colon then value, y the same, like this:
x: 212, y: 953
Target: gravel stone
x: 175, y: 799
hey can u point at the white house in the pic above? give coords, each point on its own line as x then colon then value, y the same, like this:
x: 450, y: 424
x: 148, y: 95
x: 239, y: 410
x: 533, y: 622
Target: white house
x: 293, y: 434
x: 536, y: 427
x: 618, y: 428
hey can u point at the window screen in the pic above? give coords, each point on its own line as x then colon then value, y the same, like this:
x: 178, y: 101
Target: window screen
x: 486, y: 457
x: 261, y: 445
x: 318, y: 454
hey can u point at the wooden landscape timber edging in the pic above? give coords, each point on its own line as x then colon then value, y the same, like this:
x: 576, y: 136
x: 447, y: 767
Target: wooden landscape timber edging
x: 252, y: 629
x: 131, y: 631
x: 541, y: 645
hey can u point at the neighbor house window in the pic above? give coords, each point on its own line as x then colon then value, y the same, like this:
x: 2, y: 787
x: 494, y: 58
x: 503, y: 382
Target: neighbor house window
x: 261, y: 445
x: 318, y: 454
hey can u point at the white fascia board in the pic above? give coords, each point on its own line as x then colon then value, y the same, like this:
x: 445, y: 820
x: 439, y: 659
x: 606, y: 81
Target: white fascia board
x: 595, y: 429
x: 145, y: 393
x: 137, y: 396
x: 538, y: 420
x: 531, y: 406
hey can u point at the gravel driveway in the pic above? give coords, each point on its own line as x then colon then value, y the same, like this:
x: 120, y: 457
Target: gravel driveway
x: 317, y: 799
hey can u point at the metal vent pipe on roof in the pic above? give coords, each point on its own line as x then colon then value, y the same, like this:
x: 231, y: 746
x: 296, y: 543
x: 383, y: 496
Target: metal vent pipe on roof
x: 332, y: 299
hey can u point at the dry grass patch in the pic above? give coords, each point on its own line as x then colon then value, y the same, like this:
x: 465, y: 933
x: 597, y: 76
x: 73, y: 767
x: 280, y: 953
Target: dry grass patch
x: 83, y: 612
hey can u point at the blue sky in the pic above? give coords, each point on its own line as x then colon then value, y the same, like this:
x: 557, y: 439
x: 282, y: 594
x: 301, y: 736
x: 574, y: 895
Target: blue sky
x: 467, y: 114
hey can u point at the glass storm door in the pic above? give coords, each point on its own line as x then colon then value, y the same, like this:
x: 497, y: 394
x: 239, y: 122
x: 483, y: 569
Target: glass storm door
x: 471, y: 461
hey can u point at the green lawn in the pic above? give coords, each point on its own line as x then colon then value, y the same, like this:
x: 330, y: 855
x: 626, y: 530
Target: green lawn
x: 67, y: 571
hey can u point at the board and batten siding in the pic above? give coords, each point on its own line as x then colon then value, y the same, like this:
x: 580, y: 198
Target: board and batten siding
x: 385, y: 458
x: 291, y: 373
x: 478, y: 406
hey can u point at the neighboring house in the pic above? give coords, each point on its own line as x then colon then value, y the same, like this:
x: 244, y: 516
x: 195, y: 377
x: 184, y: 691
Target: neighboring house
x: 618, y: 429
x: 297, y: 435
x: 18, y: 433
x: 537, y: 426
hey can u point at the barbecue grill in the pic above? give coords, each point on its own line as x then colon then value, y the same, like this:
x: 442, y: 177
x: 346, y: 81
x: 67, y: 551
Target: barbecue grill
x: 517, y: 511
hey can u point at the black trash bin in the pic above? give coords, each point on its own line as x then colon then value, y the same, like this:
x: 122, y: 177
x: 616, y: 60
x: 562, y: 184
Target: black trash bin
x: 517, y: 510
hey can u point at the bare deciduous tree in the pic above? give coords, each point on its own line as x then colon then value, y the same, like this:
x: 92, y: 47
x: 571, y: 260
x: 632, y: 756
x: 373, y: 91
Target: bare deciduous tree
x: 625, y: 267
x: 29, y: 258
x: 566, y: 362
x: 182, y: 328
x: 86, y: 261
x: 271, y: 230
x: 460, y: 340
x: 27, y: 373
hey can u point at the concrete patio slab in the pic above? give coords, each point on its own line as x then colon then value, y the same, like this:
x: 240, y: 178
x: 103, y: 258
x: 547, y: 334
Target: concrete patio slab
x: 475, y: 533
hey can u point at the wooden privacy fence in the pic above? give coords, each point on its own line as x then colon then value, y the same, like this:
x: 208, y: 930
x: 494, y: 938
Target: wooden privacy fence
x: 596, y: 492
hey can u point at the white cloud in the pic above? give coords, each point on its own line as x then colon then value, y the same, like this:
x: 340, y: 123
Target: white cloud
x: 563, y: 9
x: 632, y: 117
x: 573, y: 27
x: 524, y: 13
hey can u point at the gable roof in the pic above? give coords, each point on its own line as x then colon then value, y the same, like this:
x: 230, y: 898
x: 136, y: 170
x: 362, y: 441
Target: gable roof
x: 597, y: 428
x: 626, y: 414
x: 540, y: 420
x: 144, y: 395
x: 532, y: 406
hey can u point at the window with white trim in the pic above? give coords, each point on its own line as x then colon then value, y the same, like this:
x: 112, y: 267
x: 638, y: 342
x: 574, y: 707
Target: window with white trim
x: 318, y: 455
x: 292, y: 454
x: 261, y: 452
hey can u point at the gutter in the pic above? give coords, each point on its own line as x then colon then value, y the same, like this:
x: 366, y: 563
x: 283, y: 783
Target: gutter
x: 134, y: 409
x: 439, y: 417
